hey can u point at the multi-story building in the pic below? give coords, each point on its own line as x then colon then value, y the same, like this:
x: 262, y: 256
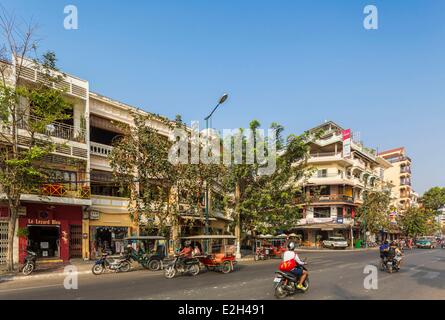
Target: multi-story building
x: 53, y: 213
x: 81, y: 210
x: 342, y: 169
x: 399, y: 175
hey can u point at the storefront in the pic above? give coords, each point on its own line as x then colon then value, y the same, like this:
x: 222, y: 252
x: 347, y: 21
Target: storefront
x: 107, y: 239
x: 53, y: 232
x: 105, y: 232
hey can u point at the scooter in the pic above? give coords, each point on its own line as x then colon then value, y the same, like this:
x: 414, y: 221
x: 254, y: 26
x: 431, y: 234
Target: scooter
x: 120, y: 264
x: 30, y: 263
x: 188, y: 265
x: 389, y: 264
x: 285, y: 284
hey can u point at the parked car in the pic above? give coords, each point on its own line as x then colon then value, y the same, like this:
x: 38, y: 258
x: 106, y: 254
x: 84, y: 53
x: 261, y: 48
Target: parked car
x: 335, y: 243
x: 426, y: 243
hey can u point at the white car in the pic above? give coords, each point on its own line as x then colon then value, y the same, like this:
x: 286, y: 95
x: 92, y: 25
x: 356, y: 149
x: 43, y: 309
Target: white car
x: 335, y: 243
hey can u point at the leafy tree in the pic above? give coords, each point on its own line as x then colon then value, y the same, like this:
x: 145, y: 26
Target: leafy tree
x: 418, y: 222
x: 140, y: 161
x: 374, y: 212
x: 266, y: 203
x: 20, y: 170
x: 434, y: 199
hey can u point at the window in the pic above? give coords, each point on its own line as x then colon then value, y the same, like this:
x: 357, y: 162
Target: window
x: 322, y: 212
x: 325, y: 190
x: 322, y: 173
x: 67, y: 178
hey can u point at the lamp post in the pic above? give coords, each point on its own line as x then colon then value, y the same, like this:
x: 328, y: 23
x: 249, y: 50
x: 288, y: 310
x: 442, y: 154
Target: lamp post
x: 220, y: 102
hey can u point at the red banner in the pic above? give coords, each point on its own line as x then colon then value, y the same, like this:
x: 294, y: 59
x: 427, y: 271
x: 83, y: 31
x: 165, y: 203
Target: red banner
x: 346, y: 134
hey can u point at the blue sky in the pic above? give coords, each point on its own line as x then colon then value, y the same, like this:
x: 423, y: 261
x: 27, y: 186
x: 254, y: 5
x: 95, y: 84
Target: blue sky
x: 294, y: 62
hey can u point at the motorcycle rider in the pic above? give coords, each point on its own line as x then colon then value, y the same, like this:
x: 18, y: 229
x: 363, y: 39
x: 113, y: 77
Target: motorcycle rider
x: 185, y: 253
x: 395, y: 253
x: 298, y: 270
x: 384, y: 248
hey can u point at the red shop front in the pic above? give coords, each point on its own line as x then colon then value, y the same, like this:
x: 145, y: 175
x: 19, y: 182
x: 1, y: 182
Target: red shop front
x: 54, y: 232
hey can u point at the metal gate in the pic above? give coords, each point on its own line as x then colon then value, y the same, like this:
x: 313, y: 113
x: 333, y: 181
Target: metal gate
x: 3, y: 241
x: 75, y: 241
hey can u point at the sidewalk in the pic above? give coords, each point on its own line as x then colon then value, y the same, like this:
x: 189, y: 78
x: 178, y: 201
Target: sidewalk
x: 47, y: 270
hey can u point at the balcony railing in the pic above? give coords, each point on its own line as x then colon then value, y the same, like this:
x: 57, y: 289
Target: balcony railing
x: 405, y: 170
x: 405, y: 183
x: 324, y: 154
x: 326, y: 198
x: 68, y: 190
x: 99, y: 149
x: 56, y: 129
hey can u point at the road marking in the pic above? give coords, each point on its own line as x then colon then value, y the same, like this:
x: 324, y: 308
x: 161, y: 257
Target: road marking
x: 30, y: 288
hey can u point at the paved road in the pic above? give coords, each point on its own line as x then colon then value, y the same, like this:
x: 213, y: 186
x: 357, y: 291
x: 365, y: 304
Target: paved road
x: 336, y: 275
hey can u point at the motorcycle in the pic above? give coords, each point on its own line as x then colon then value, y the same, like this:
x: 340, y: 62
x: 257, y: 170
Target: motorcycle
x: 30, y: 263
x: 286, y: 284
x: 120, y: 264
x: 389, y: 264
x: 188, y: 265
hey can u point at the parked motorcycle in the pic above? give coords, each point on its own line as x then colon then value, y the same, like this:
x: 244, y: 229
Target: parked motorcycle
x: 30, y: 263
x: 285, y: 284
x: 187, y: 266
x: 119, y: 264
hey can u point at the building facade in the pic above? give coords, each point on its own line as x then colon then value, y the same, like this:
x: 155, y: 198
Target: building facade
x: 341, y: 170
x: 52, y: 214
x: 81, y: 211
x: 399, y: 176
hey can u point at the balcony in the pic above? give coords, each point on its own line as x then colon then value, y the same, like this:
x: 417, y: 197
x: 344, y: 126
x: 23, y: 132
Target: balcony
x: 100, y: 150
x: 69, y: 190
x: 326, y: 199
x: 56, y: 129
x: 398, y: 159
x: 405, y: 183
x: 405, y: 170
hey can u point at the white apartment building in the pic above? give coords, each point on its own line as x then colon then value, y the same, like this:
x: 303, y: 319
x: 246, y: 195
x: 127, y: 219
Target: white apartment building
x: 342, y: 171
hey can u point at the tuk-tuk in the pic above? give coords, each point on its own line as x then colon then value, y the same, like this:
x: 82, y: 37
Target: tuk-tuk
x: 149, y: 251
x: 269, y: 246
x: 217, y: 252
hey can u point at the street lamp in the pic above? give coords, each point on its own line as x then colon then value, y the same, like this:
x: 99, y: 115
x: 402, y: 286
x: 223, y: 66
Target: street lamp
x: 220, y: 102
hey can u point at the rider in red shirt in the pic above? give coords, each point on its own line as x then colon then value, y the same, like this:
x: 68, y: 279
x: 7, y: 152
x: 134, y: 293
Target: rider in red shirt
x: 186, y: 252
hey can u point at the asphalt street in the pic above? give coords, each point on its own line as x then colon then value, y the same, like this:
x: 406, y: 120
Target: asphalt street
x: 333, y: 275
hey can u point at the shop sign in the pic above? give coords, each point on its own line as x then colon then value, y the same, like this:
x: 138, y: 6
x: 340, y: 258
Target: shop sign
x: 22, y: 211
x: 340, y: 219
x: 94, y: 215
x: 346, y: 143
x: 44, y: 222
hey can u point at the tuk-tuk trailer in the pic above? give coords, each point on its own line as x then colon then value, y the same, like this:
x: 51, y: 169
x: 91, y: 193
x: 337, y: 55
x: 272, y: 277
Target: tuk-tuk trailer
x: 217, y: 251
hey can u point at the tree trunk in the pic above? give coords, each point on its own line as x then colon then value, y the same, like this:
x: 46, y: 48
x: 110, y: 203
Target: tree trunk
x: 11, y: 233
x: 238, y: 220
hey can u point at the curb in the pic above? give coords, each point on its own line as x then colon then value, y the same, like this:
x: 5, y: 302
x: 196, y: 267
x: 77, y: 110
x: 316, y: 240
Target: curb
x: 337, y: 251
x: 40, y: 276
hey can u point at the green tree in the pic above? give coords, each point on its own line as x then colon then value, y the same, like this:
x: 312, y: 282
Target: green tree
x: 158, y: 187
x: 434, y: 198
x: 373, y: 214
x: 266, y: 203
x: 25, y: 110
x: 418, y: 222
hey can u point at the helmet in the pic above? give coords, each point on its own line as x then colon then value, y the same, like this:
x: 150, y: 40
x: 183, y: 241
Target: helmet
x: 386, y: 242
x: 291, y: 245
x: 188, y: 243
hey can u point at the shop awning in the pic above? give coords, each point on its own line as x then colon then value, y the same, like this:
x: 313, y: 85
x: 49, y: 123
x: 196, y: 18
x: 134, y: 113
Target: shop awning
x: 323, y: 226
x: 197, y: 218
